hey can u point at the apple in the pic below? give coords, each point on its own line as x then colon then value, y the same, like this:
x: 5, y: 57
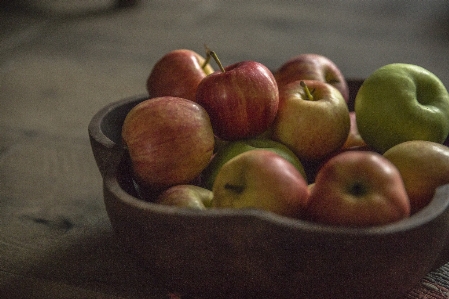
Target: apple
x: 358, y: 189
x: 354, y: 139
x: 261, y: 179
x: 187, y: 196
x: 312, y: 119
x: 170, y: 141
x: 234, y: 148
x: 312, y: 167
x: 424, y: 166
x: 241, y: 99
x: 178, y: 74
x: 312, y: 67
x: 400, y: 102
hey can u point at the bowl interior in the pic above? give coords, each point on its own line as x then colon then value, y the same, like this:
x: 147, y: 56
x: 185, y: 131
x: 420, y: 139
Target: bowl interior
x: 114, y: 116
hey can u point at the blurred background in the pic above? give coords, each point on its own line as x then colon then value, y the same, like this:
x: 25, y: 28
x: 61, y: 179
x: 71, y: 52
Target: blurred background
x: 60, y: 61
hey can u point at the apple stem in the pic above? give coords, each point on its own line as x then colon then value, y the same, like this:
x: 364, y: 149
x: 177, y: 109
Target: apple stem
x: 307, y: 91
x: 206, y: 61
x: 209, y: 54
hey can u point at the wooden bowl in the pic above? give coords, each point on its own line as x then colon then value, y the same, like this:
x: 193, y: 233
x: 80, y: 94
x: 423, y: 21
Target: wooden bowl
x: 257, y: 254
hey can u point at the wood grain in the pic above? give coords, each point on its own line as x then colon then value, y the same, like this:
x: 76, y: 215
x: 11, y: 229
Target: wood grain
x: 54, y: 231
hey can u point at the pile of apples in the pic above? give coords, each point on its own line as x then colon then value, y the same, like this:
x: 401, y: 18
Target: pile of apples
x: 287, y: 142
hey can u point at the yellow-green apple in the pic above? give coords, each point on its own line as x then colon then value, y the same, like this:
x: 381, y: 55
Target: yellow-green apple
x: 169, y: 140
x: 261, y: 179
x: 312, y: 66
x: 187, y: 196
x: 234, y: 148
x: 312, y: 119
x: 400, y: 102
x: 358, y: 189
x: 424, y: 166
x: 178, y: 74
x: 241, y: 99
x: 354, y: 139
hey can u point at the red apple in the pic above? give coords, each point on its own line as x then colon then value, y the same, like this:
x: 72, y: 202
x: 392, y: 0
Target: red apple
x: 354, y: 139
x: 261, y: 179
x: 169, y: 140
x: 424, y: 166
x: 312, y: 119
x: 358, y: 189
x: 241, y: 99
x: 312, y: 167
x: 178, y: 74
x: 312, y: 67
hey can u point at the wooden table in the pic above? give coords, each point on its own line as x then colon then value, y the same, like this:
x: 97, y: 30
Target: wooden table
x: 57, y: 71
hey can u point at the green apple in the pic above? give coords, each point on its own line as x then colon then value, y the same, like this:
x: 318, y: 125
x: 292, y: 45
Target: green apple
x: 234, y: 148
x: 400, y: 102
x: 187, y: 196
x: 261, y: 179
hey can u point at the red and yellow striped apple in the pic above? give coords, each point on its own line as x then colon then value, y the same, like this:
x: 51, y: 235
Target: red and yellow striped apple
x: 169, y: 140
x: 241, y: 99
x: 177, y: 74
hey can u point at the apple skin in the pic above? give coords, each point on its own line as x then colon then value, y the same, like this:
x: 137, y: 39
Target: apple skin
x: 358, y: 189
x: 311, y: 66
x: 186, y: 196
x: 354, y: 139
x: 234, y: 148
x: 424, y: 166
x: 312, y: 167
x: 312, y: 129
x: 261, y: 179
x: 242, y: 101
x: 177, y: 74
x: 400, y: 102
x: 169, y: 140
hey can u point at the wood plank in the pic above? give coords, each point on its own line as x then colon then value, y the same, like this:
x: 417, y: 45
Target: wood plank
x: 54, y: 230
